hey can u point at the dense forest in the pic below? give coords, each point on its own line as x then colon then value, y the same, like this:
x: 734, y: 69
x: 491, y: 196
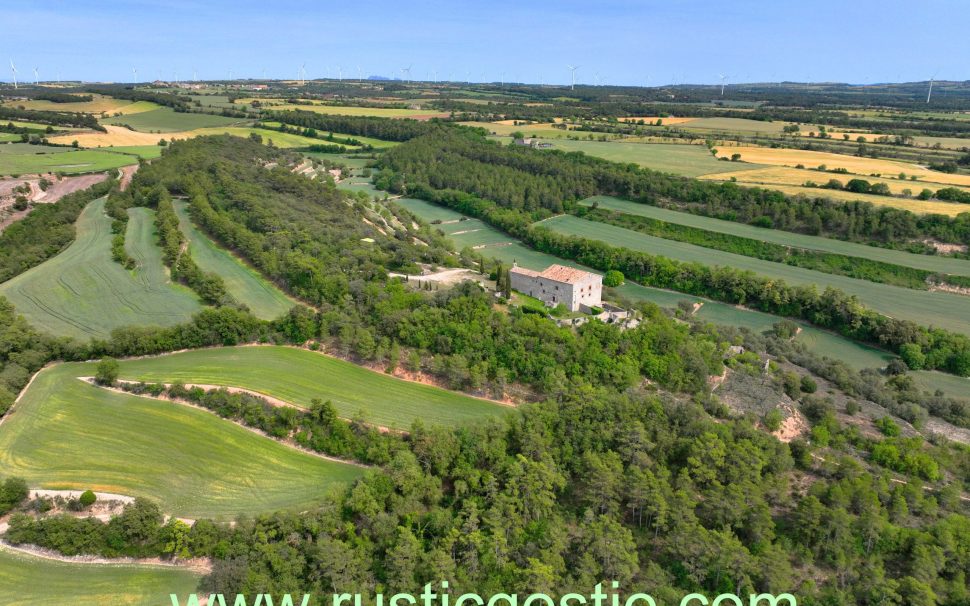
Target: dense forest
x: 623, y: 466
x: 361, y: 126
x: 511, y: 187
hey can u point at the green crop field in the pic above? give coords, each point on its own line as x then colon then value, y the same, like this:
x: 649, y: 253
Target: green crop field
x: 345, y: 159
x: 951, y: 385
x: 686, y: 160
x: 934, y: 263
x: 735, y: 125
x: 940, y: 309
x: 148, y: 152
x: 67, y: 434
x: 83, y: 293
x: 23, y: 158
x: 358, y: 186
x: 243, y: 282
x: 167, y: 120
x: 33, y: 581
x: 279, y: 139
x: 377, y: 143
x: 347, y: 110
x: 299, y: 375
x: 820, y: 341
x: 5, y: 137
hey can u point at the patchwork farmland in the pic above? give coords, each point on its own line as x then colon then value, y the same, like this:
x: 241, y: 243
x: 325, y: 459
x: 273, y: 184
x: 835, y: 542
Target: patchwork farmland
x: 67, y: 434
x: 82, y: 292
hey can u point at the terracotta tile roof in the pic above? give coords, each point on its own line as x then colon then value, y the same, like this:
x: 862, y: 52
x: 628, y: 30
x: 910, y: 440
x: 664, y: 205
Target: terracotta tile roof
x: 524, y: 272
x: 568, y: 275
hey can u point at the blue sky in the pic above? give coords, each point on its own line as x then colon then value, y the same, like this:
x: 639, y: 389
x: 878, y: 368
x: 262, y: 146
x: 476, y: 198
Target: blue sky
x: 621, y: 41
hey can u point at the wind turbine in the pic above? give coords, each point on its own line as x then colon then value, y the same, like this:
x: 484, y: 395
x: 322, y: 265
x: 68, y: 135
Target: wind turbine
x: 722, y: 76
x: 303, y: 75
x: 597, y: 76
x: 134, y: 72
x: 340, y: 74
x: 929, y: 94
x: 360, y: 75
x: 573, y: 68
x: 434, y: 76
x: 406, y: 73
x: 195, y: 75
x: 13, y: 68
x: 36, y: 77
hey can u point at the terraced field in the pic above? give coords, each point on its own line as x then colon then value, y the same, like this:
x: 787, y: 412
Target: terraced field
x: 243, y: 282
x: 939, y: 309
x: 820, y: 341
x: 941, y: 264
x: 298, y: 375
x: 83, y: 293
x: 33, y: 581
x: 167, y: 120
x: 67, y: 434
x: 23, y: 158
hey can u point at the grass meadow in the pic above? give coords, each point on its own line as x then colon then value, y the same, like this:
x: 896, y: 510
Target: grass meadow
x: 167, y: 120
x: 265, y: 300
x: 33, y: 581
x: 82, y: 292
x: 23, y: 159
x: 69, y: 434
x: 297, y: 376
x: 686, y: 160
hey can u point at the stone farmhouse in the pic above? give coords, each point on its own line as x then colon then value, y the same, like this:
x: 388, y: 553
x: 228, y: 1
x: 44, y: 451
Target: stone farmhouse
x: 578, y: 290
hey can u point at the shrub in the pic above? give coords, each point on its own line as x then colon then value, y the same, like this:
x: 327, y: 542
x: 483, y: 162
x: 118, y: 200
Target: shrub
x: 87, y: 499
x: 808, y: 384
x: 613, y: 278
x: 107, y: 372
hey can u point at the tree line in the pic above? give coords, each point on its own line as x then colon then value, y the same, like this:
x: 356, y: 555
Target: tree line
x: 73, y: 120
x: 511, y: 188
x: 828, y: 262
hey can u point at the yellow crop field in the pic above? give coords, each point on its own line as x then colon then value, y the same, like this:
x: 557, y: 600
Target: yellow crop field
x: 544, y: 130
x: 668, y: 121
x: 116, y: 135
x: 750, y: 178
x: 342, y: 110
x: 119, y: 136
x: 840, y: 134
x: 855, y: 165
x: 783, y: 175
x: 99, y: 105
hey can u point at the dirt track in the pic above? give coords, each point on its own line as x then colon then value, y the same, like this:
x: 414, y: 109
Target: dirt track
x: 57, y: 190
